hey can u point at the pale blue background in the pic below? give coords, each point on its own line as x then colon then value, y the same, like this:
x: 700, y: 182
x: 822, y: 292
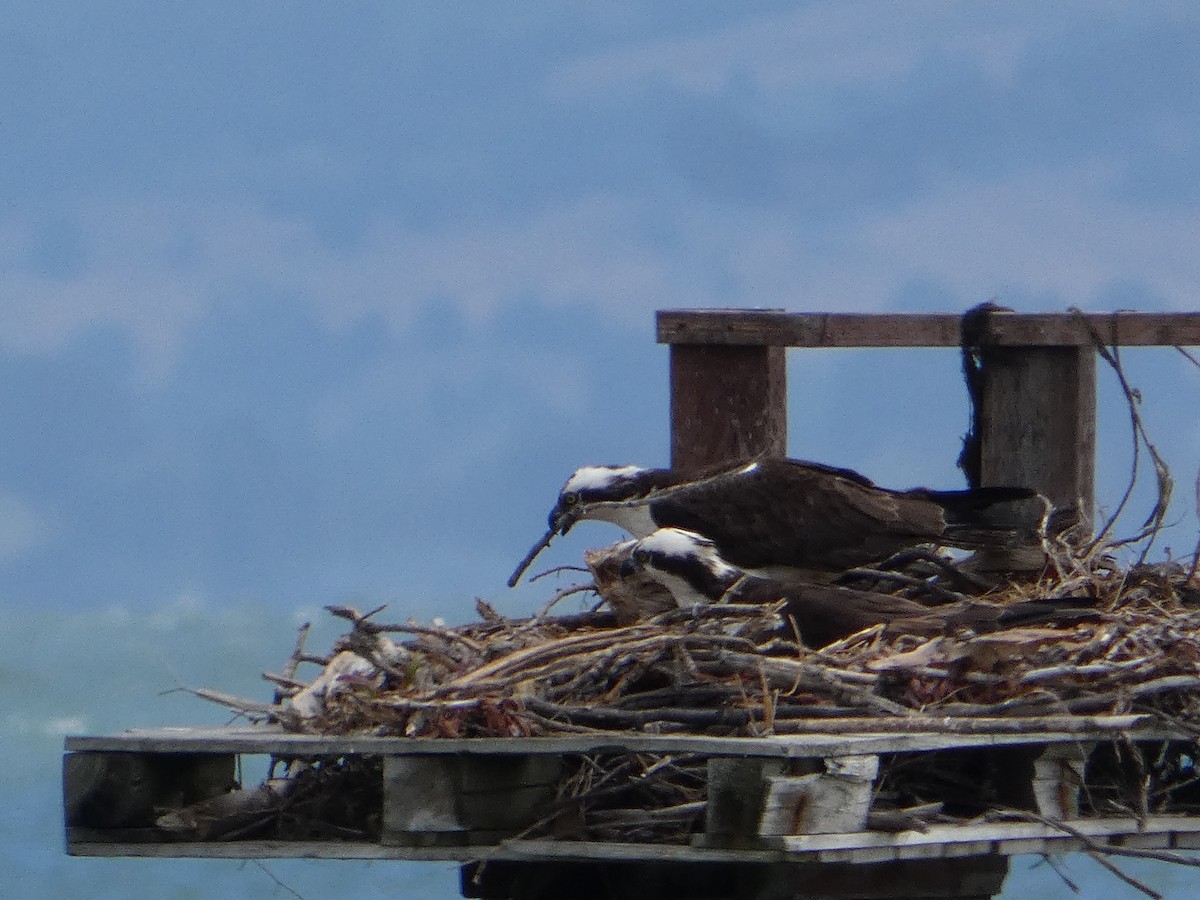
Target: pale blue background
x: 307, y: 302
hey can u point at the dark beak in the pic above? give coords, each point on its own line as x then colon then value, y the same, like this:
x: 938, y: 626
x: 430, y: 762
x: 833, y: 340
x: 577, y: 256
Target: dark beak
x: 630, y: 566
x: 564, y: 521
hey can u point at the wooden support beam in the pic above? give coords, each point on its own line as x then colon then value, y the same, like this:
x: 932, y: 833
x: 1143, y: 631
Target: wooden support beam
x: 1037, y: 423
x: 107, y: 790
x: 445, y: 800
x: 835, y: 800
x: 1058, y: 779
x: 727, y: 403
x: 845, y: 736
x: 736, y: 791
x: 420, y: 801
x: 776, y: 328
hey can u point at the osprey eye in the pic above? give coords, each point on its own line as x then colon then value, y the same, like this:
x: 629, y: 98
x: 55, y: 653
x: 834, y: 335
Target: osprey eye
x: 570, y: 499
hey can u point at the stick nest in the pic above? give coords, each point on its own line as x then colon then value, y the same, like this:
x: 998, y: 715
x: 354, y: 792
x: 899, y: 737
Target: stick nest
x: 730, y: 669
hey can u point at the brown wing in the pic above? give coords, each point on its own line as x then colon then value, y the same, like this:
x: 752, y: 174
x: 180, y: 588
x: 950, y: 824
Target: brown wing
x: 822, y: 613
x: 792, y: 513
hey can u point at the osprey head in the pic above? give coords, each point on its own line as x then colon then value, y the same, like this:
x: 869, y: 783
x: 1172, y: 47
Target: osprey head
x: 685, y: 562
x: 595, y: 484
x: 586, y: 487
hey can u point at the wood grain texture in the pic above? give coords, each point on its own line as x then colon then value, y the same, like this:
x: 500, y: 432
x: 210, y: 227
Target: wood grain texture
x: 939, y: 842
x: 727, y: 403
x: 839, y: 736
x: 776, y: 328
x: 1037, y: 422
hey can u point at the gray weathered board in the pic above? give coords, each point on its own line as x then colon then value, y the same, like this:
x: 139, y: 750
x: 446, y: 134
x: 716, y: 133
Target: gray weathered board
x: 778, y: 328
x: 470, y: 799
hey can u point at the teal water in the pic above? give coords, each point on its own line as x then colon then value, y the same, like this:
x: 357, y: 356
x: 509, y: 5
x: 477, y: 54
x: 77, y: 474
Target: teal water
x: 107, y: 669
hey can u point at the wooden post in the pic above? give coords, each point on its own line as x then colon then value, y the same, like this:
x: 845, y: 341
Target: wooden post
x: 1036, y: 418
x: 727, y: 403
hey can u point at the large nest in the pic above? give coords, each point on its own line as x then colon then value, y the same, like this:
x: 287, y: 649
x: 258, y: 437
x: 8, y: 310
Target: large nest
x: 733, y: 669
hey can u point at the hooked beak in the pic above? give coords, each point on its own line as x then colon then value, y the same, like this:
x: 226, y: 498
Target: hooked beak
x: 563, y: 521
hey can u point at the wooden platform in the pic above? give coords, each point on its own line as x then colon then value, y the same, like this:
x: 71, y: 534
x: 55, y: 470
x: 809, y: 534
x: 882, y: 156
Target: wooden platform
x: 779, y: 799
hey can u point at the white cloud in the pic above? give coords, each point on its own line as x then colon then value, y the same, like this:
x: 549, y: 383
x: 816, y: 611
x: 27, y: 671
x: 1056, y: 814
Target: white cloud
x: 22, y: 528
x: 836, y: 43
x: 154, y: 270
x: 133, y: 279
x: 587, y: 251
x: 1063, y: 236
x: 1060, y: 234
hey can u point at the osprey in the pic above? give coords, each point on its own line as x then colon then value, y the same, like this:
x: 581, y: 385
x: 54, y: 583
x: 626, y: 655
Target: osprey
x: 690, y: 568
x: 779, y: 516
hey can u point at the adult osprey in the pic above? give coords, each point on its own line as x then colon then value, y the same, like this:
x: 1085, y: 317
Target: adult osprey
x: 776, y: 515
x: 689, y: 567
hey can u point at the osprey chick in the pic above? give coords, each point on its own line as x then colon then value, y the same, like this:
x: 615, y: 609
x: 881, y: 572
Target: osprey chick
x: 688, y: 566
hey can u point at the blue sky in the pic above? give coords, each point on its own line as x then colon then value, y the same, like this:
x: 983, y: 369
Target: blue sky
x: 306, y: 303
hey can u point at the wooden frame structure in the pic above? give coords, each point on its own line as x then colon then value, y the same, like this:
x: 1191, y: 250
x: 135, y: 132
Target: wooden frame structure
x: 1036, y: 404
x: 771, y: 826
x: 471, y: 800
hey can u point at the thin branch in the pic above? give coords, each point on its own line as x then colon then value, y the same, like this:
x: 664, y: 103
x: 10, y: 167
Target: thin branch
x: 1098, y: 849
x: 1188, y: 356
x: 562, y: 594
x: 1133, y: 398
x: 288, y: 674
x: 1060, y: 872
x: 1196, y: 555
x: 448, y: 634
x: 556, y: 570
x: 278, y: 883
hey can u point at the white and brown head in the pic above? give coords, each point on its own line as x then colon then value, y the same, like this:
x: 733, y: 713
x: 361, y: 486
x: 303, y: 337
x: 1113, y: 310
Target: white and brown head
x: 601, y: 493
x: 685, y: 563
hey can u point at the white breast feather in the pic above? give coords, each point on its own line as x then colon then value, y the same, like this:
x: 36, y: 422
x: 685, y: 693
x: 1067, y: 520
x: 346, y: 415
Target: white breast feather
x: 633, y: 517
x: 685, y: 595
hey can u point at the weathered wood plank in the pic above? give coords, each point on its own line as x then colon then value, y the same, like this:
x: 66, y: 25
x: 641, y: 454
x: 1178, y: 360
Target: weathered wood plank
x: 1164, y: 825
x: 1142, y: 841
x: 464, y: 799
x: 1058, y: 779
x: 869, y: 855
x: 530, y: 850
x: 788, y: 329
x: 943, y: 851
x: 736, y: 788
x: 856, y: 738
x: 836, y: 800
x: 420, y: 795
x: 727, y: 403
x: 799, y: 849
x: 1037, y: 423
x: 125, y: 790
x: 1185, y: 841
